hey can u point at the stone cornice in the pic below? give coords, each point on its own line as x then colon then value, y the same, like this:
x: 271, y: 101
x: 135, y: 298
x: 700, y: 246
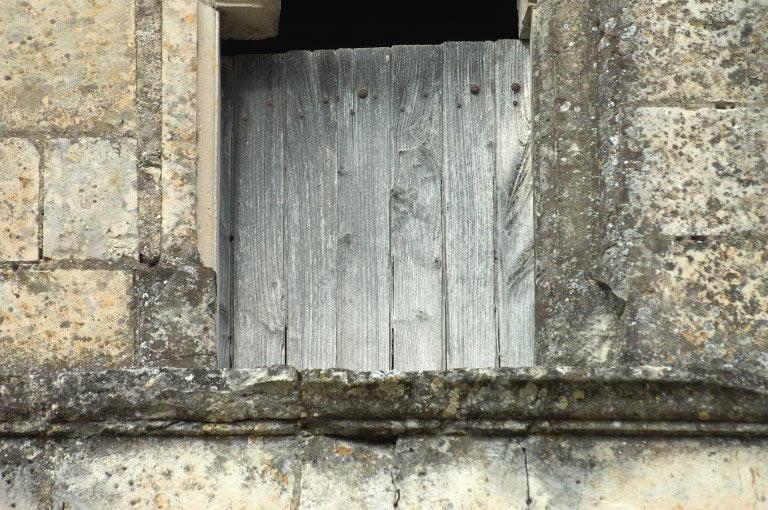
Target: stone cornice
x: 282, y: 401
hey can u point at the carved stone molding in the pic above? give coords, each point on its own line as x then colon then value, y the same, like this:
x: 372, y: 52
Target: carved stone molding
x: 280, y: 401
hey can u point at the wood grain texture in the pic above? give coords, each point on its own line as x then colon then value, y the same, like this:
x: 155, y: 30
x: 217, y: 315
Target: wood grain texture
x: 365, y: 161
x: 226, y: 222
x: 468, y: 186
x: 312, y: 230
x: 417, y: 236
x: 390, y: 227
x: 259, y: 276
x: 514, y: 205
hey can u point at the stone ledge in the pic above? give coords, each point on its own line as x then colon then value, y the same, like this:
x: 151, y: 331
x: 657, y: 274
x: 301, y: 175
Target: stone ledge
x: 248, y: 19
x: 282, y: 401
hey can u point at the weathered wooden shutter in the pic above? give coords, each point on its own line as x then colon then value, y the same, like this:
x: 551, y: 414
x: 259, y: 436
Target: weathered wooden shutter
x: 381, y: 207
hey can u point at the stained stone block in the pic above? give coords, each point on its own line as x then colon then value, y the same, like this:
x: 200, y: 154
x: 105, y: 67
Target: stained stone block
x: 179, y: 132
x: 698, y: 172
x: 90, y: 199
x: 24, y: 483
x: 176, y: 317
x: 694, y: 50
x: 460, y: 472
x: 65, y: 318
x: 364, y: 471
x: 67, y: 65
x: 169, y: 473
x: 698, y: 302
x: 19, y: 189
x: 594, y: 473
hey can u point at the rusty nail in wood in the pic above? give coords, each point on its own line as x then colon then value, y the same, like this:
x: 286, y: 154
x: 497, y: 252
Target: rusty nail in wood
x: 362, y: 93
x: 475, y: 89
x: 514, y: 103
x: 516, y: 87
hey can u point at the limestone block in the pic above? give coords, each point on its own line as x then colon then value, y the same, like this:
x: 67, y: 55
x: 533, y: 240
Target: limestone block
x: 364, y: 471
x: 694, y: 50
x: 697, y: 302
x: 642, y: 473
x: 179, y: 126
x: 460, y: 472
x: 23, y: 480
x: 67, y: 65
x: 697, y: 172
x: 65, y: 318
x: 172, y: 473
x: 177, y: 323
x: 19, y: 189
x: 90, y: 199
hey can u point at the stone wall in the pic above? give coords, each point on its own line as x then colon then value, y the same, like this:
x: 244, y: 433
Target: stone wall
x: 276, y: 438
x: 98, y: 148
x: 650, y: 151
x: 651, y: 147
x: 410, y: 473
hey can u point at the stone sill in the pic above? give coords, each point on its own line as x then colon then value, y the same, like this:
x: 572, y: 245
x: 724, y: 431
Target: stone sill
x: 280, y: 401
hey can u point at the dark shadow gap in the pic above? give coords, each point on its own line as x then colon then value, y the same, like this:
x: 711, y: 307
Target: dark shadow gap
x: 314, y: 25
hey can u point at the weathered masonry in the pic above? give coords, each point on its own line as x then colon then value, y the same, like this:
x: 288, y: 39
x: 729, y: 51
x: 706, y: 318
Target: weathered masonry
x: 648, y: 164
x: 382, y: 213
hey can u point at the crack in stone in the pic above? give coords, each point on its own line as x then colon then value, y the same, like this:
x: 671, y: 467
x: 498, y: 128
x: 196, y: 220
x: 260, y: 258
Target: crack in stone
x: 528, y: 499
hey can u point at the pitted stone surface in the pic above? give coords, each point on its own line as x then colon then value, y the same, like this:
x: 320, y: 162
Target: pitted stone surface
x: 179, y: 126
x: 460, y: 472
x: 90, y: 199
x: 606, y: 473
x: 279, y: 401
x: 67, y: 66
x: 177, y: 321
x: 19, y: 191
x: 650, y: 132
x: 65, y: 318
x: 698, y: 172
x: 694, y: 50
x: 175, y: 473
x: 24, y: 483
x: 364, y: 471
x: 710, y: 295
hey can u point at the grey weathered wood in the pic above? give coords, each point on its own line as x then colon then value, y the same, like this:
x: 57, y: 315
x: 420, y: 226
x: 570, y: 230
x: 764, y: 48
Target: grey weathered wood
x: 226, y: 223
x: 391, y: 230
x: 468, y: 199
x: 311, y: 236
x: 365, y: 161
x: 259, y: 278
x: 514, y: 205
x: 417, y: 234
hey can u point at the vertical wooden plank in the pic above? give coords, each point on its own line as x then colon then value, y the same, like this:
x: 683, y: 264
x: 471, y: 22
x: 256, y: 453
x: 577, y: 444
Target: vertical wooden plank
x: 225, y: 232
x: 468, y: 200
x: 514, y: 205
x: 311, y: 235
x: 365, y: 161
x: 259, y: 284
x: 417, y: 236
